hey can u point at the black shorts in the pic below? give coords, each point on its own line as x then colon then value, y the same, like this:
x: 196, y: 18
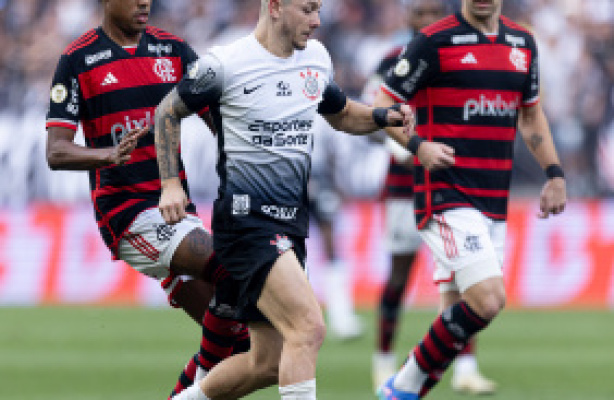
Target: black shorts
x: 249, y: 255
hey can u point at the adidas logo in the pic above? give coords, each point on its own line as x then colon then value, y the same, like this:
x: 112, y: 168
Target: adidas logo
x: 109, y: 79
x: 469, y: 59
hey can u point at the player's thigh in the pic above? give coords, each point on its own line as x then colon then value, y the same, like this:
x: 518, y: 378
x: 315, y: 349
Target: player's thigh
x: 287, y: 299
x: 402, y: 235
x: 462, y: 245
x: 149, y: 243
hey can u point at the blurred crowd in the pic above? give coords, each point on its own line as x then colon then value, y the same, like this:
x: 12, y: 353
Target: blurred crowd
x: 575, y: 38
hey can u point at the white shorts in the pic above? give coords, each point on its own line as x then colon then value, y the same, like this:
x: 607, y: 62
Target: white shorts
x: 467, y: 246
x: 402, y: 236
x: 149, y: 243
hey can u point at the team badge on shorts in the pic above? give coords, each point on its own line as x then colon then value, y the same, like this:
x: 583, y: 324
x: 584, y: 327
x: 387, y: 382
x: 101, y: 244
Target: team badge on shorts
x: 282, y: 242
x: 472, y: 243
x: 164, y: 232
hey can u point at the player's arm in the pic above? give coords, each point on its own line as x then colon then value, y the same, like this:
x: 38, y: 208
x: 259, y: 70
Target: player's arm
x: 536, y: 134
x: 415, y: 69
x: 357, y: 118
x: 167, y: 130
x: 432, y: 155
x: 63, y: 153
x: 198, y: 89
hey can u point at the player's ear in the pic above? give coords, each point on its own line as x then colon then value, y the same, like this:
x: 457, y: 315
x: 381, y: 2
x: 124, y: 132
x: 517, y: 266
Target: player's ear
x: 274, y: 7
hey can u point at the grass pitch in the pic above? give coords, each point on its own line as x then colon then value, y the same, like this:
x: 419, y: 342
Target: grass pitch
x: 66, y: 353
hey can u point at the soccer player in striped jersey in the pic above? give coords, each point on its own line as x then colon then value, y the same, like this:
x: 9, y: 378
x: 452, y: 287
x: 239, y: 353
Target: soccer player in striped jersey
x: 110, y: 80
x: 473, y: 77
x: 402, y: 237
x: 264, y: 91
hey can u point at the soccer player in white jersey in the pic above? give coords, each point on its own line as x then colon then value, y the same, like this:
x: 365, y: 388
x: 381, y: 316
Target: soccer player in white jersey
x: 264, y: 91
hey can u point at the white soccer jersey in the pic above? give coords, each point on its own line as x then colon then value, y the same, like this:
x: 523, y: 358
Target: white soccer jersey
x: 264, y: 108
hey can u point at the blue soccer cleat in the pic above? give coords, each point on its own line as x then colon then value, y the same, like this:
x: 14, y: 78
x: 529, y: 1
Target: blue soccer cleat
x: 388, y: 392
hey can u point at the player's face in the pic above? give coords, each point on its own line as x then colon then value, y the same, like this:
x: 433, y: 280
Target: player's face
x: 482, y: 9
x: 422, y: 13
x: 300, y: 19
x: 130, y: 16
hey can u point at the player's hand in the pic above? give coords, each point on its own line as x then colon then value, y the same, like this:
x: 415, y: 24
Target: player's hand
x: 403, y: 117
x: 173, y: 201
x: 120, y: 154
x: 434, y: 155
x: 553, y: 198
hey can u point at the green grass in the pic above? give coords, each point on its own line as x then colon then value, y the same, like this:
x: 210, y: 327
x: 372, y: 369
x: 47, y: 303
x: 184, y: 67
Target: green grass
x: 69, y: 353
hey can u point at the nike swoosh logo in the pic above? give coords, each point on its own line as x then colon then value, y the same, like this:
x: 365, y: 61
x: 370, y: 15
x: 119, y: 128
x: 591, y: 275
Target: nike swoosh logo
x: 252, y: 90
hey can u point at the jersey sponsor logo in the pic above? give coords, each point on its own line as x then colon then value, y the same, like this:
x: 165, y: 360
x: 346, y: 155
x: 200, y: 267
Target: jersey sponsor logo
x: 282, y: 243
x: 469, y: 59
x: 280, y: 212
x: 94, y: 58
x: 109, y: 80
x: 240, y: 204
x: 59, y: 93
x: 160, y: 48
x: 465, y: 39
x: 283, y: 89
x: 312, y: 87
x: 252, y: 89
x: 402, y: 68
x: 297, y: 125
x: 519, y: 59
x: 119, y: 129
x: 485, y: 107
x: 516, y: 41
x: 410, y: 84
x: 281, y: 140
x: 163, y: 67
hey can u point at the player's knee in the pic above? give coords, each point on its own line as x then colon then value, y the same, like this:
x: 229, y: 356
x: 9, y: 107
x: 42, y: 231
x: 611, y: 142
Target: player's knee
x: 193, y: 254
x: 310, y: 333
x: 490, y: 304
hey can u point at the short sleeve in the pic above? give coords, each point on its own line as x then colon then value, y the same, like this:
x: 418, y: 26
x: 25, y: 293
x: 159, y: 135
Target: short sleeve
x: 188, y: 56
x: 530, y: 93
x: 415, y: 67
x: 65, y: 97
x: 202, y: 85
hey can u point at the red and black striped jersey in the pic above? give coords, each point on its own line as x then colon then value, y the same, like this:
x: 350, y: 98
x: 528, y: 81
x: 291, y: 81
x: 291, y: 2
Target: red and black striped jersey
x: 468, y: 89
x: 111, y: 91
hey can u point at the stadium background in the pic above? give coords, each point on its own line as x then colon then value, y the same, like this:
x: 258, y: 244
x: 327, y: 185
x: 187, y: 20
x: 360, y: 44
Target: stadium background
x: 49, y: 246
x: 51, y: 254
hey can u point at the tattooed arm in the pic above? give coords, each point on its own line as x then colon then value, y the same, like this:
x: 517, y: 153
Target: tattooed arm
x: 169, y: 113
x: 536, y: 133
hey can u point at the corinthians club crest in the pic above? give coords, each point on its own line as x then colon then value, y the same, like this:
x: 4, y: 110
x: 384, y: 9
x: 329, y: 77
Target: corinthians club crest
x: 312, y: 86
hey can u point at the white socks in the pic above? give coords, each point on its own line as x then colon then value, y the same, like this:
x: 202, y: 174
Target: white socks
x: 410, y: 378
x: 465, y: 364
x: 191, y: 393
x: 299, y: 391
